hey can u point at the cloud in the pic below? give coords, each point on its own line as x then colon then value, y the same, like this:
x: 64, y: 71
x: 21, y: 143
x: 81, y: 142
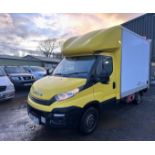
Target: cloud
x: 82, y: 23
x: 5, y: 21
x: 21, y: 33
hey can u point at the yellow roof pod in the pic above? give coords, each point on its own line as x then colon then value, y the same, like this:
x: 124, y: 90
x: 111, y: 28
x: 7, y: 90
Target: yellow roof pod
x: 100, y: 40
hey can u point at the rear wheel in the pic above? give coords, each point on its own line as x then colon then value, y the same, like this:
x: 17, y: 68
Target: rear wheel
x: 138, y: 98
x: 89, y: 120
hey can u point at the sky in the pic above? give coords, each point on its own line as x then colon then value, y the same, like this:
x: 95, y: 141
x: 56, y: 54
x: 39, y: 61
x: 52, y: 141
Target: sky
x: 21, y: 33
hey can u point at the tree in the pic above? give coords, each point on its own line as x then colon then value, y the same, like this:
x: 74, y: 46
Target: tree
x: 47, y: 46
x: 58, y: 55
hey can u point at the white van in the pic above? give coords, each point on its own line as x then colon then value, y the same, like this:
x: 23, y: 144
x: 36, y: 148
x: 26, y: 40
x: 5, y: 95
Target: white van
x: 7, y: 90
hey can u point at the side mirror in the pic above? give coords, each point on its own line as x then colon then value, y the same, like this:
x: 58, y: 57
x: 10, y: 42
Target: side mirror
x: 103, y: 77
x: 47, y: 72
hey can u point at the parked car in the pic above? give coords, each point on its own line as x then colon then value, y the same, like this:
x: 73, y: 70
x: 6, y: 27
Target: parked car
x: 19, y: 76
x: 7, y: 90
x: 36, y: 71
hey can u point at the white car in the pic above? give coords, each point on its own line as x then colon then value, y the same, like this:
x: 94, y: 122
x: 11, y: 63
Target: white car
x: 7, y: 90
x: 36, y: 71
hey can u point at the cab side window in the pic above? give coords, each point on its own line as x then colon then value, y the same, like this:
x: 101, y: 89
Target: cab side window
x: 105, y: 65
x: 108, y: 65
x: 99, y: 68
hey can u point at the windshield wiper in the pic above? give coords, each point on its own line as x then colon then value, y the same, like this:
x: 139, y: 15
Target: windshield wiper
x: 75, y: 73
x: 68, y: 74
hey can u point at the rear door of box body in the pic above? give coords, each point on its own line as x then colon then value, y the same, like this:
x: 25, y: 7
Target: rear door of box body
x: 135, y: 64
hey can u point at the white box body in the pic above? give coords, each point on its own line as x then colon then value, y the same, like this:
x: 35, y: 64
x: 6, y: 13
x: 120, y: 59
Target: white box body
x: 135, y: 63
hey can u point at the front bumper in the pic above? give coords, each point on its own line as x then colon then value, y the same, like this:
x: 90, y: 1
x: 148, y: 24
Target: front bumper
x: 6, y: 95
x: 58, y: 118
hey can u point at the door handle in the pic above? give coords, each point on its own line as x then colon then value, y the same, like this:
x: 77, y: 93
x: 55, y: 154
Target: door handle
x: 113, y: 85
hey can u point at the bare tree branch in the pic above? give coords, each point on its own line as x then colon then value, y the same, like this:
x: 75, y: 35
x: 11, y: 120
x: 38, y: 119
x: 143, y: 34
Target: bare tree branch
x: 47, y: 46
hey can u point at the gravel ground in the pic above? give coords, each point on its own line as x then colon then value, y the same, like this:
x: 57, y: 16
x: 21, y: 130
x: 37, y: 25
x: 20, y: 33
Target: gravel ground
x: 118, y: 122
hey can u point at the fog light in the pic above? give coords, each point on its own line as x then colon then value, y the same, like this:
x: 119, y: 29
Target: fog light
x: 59, y: 115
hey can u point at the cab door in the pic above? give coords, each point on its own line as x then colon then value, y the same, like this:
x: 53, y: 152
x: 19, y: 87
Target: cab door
x: 104, y: 89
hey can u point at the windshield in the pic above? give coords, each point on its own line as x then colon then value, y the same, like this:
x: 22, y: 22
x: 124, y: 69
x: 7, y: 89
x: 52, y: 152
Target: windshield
x: 2, y: 73
x: 75, y: 67
x: 12, y: 70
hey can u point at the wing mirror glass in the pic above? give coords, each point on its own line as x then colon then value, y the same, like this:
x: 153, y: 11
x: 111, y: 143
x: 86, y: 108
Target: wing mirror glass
x: 103, y: 77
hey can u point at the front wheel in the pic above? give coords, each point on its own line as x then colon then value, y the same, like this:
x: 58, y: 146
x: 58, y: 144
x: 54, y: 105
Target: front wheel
x: 89, y: 120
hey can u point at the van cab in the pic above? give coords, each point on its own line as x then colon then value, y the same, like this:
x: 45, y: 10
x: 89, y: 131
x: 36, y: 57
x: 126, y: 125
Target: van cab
x: 7, y: 90
x: 99, y: 67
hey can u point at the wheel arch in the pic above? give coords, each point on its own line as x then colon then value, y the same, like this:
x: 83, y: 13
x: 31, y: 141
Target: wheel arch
x: 94, y: 104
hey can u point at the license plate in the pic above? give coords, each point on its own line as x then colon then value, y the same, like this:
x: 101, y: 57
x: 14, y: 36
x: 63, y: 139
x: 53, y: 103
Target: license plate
x: 34, y: 118
x: 27, y: 84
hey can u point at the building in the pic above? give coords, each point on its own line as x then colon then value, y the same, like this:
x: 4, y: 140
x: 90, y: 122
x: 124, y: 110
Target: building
x: 44, y: 61
x: 28, y: 61
x: 144, y: 26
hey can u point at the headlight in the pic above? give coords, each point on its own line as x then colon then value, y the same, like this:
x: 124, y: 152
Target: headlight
x: 67, y: 95
x: 10, y: 87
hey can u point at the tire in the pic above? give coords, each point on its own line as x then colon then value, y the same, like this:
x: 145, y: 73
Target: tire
x: 138, y: 99
x: 89, y: 120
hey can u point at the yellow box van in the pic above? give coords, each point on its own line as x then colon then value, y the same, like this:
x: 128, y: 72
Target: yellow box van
x: 99, y: 67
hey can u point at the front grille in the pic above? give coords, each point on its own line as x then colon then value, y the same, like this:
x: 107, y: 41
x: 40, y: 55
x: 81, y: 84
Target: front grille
x: 43, y: 102
x: 27, y: 77
x: 2, y: 88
